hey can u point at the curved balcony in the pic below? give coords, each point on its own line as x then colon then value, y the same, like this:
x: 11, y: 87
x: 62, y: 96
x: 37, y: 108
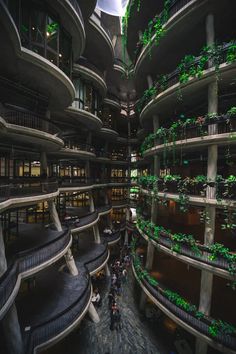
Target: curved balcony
x: 199, y: 327
x: 74, y: 151
x: 196, y: 135
x: 72, y: 20
x: 34, y: 72
x: 89, y: 119
x: 196, y: 192
x: 27, y: 127
x: 80, y: 223
x: 27, y: 191
x: 119, y: 203
x: 50, y: 321
x: 112, y: 238
x: 165, y: 95
x: 181, y: 13
x: 93, y: 256
x: 36, y: 249
x: 113, y: 101
x: 200, y: 259
x: 90, y: 72
x: 87, y: 7
x: 99, y: 42
x: 116, y: 181
x: 108, y: 133
x: 104, y: 210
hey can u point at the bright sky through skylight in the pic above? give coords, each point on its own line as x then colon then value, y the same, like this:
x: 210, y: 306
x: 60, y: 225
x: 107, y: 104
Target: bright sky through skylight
x: 113, y: 7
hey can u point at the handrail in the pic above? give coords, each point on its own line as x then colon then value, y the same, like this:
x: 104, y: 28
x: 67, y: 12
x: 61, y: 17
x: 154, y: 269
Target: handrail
x: 165, y: 239
x: 18, y: 189
x: 201, y: 325
x: 78, y: 146
x: 97, y: 17
x: 193, y: 188
x: 84, y: 62
x: 30, y: 120
x: 27, y: 260
x: 226, y: 124
x: 46, y: 330
x: 173, y: 8
x: 75, y: 5
x: 173, y: 78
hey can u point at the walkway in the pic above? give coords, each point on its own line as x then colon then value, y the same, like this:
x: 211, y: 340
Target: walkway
x: 135, y: 337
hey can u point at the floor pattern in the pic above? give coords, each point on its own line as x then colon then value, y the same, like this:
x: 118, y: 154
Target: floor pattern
x: 133, y: 338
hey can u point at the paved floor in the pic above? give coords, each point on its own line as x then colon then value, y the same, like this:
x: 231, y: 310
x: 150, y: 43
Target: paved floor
x: 135, y: 337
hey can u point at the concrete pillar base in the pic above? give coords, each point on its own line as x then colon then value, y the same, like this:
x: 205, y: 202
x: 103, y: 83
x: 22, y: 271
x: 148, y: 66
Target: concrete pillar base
x: 93, y: 313
x: 201, y: 347
x: 107, y: 271
x: 71, y: 263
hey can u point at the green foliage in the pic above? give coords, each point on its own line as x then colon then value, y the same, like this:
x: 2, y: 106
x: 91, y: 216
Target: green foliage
x: 218, y: 327
x: 215, y: 327
x: 215, y: 251
x: 177, y: 130
x: 231, y: 53
x: 190, y: 66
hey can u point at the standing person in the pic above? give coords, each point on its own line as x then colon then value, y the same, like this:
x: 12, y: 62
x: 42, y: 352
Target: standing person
x: 111, y: 298
x: 117, y: 320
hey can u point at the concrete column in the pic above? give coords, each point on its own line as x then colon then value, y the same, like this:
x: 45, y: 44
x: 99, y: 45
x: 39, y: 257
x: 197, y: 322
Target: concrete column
x: 149, y: 81
x: 154, y: 207
x: 3, y: 261
x: 107, y: 271
x: 87, y: 169
x: 91, y: 202
x: 206, y: 277
x: 54, y: 215
x: 10, y: 323
x: 71, y: 263
x: 43, y: 164
x: 96, y: 233
x: 126, y: 241
x: 210, y: 31
x: 93, y: 313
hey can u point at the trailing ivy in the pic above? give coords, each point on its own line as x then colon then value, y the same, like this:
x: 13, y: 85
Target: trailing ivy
x: 193, y: 67
x: 178, y: 129
x: 215, y: 327
x: 215, y: 251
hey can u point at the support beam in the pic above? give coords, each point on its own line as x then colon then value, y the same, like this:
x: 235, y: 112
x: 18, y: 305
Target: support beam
x: 71, y: 263
x: 96, y: 233
x: 43, y: 164
x: 91, y: 202
x: 93, y: 313
x: 54, y: 215
x: 207, y: 277
x: 10, y: 323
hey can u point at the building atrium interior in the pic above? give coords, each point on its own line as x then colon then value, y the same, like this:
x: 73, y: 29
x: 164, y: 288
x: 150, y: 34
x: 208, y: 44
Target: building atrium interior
x: 117, y: 176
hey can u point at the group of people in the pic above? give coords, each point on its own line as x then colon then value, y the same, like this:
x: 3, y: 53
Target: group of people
x: 118, y: 277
